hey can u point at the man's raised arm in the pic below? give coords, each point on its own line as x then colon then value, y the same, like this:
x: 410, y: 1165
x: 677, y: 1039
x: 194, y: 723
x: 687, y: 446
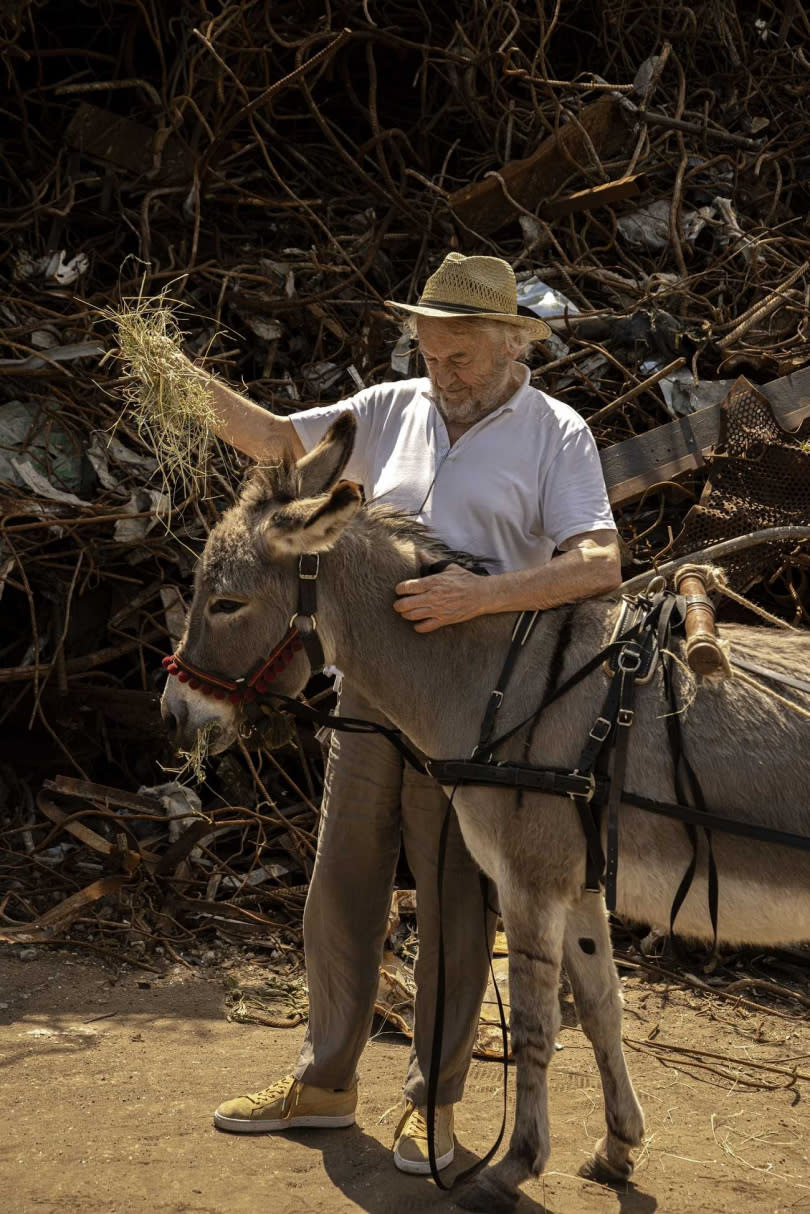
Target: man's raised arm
x: 254, y: 430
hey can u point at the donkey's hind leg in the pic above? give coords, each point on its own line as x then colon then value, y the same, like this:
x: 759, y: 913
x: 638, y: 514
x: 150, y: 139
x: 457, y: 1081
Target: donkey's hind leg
x: 589, y: 964
x: 534, y: 930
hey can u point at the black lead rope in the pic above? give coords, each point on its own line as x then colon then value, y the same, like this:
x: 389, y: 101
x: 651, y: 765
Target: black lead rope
x: 438, y: 1019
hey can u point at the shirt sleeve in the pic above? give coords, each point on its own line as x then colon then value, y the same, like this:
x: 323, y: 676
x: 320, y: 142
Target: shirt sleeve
x: 573, y: 496
x: 311, y: 425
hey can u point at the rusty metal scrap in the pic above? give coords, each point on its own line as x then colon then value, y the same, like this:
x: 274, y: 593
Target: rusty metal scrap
x: 281, y: 171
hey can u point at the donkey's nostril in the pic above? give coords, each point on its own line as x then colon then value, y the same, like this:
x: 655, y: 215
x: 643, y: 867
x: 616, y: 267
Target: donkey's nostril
x: 172, y: 724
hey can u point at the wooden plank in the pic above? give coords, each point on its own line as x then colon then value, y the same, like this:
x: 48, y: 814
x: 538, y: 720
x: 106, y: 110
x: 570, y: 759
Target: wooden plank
x: 681, y: 446
x: 595, y: 196
x: 484, y: 207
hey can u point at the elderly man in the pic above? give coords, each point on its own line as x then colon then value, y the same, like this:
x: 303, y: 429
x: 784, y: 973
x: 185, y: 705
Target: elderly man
x: 496, y: 468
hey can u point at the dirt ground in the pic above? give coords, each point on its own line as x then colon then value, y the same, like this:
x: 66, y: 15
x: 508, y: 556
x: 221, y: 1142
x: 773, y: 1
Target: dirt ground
x: 110, y: 1076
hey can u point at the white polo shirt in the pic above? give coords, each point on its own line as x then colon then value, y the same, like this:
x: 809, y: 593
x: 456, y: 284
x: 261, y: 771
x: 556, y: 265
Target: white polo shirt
x: 511, y: 489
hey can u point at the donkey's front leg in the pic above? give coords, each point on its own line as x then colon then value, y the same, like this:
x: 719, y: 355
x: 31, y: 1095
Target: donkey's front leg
x: 534, y: 930
x: 597, y: 994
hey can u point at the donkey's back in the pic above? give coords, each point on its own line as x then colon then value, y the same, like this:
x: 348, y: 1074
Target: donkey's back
x: 751, y: 754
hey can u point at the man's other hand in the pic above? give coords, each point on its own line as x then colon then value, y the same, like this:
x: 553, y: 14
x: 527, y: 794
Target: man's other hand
x: 443, y: 598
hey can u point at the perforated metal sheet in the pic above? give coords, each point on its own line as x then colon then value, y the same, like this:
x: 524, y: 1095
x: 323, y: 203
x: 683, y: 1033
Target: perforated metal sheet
x: 759, y: 477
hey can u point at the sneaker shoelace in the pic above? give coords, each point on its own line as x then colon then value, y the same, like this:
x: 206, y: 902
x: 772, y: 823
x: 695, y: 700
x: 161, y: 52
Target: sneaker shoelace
x: 417, y: 1125
x: 268, y: 1095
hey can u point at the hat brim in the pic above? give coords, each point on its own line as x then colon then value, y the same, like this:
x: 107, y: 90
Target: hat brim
x: 537, y: 328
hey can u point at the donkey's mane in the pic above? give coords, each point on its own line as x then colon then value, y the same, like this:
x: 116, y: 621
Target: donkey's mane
x: 281, y: 482
x: 407, y: 529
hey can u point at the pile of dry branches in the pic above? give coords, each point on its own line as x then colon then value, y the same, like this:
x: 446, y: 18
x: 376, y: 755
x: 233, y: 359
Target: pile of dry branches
x: 282, y: 170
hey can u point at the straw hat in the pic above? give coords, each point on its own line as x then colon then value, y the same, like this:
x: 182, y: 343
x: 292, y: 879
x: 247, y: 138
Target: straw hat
x: 474, y: 286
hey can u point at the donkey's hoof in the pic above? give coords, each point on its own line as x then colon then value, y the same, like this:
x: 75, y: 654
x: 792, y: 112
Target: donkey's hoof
x: 602, y: 1171
x: 488, y: 1195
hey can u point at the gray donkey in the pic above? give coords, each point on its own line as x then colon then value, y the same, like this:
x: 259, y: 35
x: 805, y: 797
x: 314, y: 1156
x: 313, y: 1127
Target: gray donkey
x: 751, y: 755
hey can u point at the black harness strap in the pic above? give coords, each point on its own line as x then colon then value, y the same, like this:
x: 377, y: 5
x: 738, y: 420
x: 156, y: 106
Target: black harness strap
x: 681, y: 766
x: 315, y: 716
x: 305, y: 619
x: 524, y: 627
x: 766, y: 672
x: 712, y: 821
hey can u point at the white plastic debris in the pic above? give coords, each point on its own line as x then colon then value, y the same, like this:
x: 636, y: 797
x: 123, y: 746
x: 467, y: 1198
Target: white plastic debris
x: 180, y: 803
x: 22, y: 438
x: 33, y: 479
x: 322, y: 375
x: 105, y: 450
x: 55, y: 354
x: 152, y: 504
x: 681, y: 394
x: 262, y: 326
x: 57, y: 268
x: 542, y: 299
x: 401, y: 355
x: 648, y: 227
x: 644, y: 75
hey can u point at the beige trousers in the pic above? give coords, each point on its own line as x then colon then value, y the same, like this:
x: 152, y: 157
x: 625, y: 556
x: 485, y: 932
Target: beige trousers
x: 373, y: 801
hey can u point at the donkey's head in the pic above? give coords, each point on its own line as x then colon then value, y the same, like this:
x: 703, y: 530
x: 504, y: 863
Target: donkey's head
x: 246, y: 589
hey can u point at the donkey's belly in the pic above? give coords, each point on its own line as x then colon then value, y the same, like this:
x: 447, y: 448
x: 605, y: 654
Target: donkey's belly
x: 764, y: 892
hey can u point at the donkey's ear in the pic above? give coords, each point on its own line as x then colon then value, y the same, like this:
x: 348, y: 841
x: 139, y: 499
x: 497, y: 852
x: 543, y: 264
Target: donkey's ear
x: 320, y: 469
x: 311, y: 526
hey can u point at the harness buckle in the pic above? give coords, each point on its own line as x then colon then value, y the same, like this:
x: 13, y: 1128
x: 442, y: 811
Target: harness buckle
x: 600, y: 729
x: 497, y: 697
x: 629, y: 659
x: 625, y: 716
x: 313, y: 622
x: 591, y: 778
x: 308, y: 571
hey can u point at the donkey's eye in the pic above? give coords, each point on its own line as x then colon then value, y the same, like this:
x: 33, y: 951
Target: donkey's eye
x: 225, y: 606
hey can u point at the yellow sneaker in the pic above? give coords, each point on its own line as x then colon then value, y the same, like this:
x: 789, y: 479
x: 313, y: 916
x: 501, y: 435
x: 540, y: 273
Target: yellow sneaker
x: 411, y: 1139
x: 288, y: 1104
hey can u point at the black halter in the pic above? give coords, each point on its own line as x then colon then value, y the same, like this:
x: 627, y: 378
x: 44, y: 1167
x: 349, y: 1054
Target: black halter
x: 301, y: 634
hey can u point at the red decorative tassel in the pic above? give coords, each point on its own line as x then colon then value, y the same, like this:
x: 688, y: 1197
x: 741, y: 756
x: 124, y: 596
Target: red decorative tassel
x: 235, y: 697
x: 182, y: 676
x: 167, y: 661
x: 249, y: 695
x: 206, y: 690
x: 219, y: 694
x: 173, y: 668
x: 194, y: 684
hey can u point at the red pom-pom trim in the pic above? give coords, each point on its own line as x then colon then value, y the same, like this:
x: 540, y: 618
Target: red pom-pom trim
x: 167, y: 661
x: 194, y: 684
x: 182, y: 676
x: 249, y: 695
x: 219, y: 694
x: 235, y: 697
x: 173, y: 668
x: 206, y: 690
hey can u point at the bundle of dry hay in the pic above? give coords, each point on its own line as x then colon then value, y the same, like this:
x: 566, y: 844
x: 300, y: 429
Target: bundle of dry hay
x: 166, y: 395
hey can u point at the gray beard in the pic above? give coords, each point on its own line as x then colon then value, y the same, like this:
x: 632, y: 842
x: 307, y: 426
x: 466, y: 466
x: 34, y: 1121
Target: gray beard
x: 464, y: 413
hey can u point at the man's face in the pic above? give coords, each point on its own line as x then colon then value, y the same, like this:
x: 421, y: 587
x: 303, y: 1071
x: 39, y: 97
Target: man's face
x: 470, y: 369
